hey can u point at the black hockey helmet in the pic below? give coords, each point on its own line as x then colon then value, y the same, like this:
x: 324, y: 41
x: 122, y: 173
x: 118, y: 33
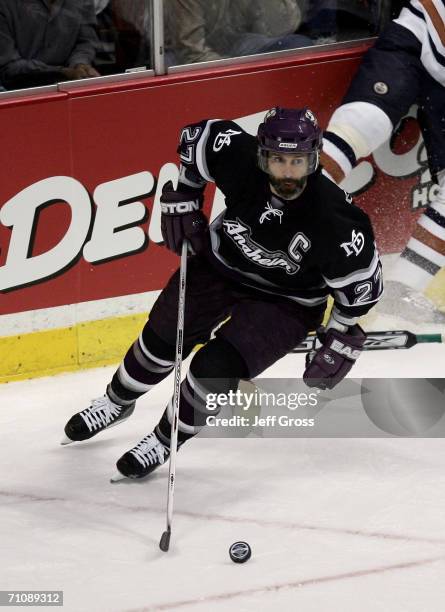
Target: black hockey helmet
x: 289, y: 130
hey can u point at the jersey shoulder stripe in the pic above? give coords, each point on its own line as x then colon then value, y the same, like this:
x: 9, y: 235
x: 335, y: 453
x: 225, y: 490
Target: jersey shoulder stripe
x: 435, y: 14
x: 356, y: 275
x: 426, y: 20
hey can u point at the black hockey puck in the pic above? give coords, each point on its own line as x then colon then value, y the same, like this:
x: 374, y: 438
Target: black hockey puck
x: 240, y: 552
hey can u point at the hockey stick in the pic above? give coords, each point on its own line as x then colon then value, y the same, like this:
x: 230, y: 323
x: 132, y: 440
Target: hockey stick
x: 165, y: 538
x: 379, y: 341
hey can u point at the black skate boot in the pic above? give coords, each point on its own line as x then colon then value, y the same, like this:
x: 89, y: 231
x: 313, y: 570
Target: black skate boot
x: 102, y: 414
x: 142, y: 459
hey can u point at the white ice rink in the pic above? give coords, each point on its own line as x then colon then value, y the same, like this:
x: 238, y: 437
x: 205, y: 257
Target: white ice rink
x: 344, y: 525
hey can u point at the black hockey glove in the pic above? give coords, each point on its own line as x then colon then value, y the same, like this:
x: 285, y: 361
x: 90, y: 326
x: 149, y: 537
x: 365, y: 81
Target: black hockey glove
x: 328, y: 365
x: 182, y: 218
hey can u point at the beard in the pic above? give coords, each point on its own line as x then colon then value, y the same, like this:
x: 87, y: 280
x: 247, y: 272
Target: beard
x: 288, y: 188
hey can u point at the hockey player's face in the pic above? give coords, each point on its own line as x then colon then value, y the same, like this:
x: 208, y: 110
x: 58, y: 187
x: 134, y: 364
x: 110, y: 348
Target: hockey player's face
x: 288, y: 172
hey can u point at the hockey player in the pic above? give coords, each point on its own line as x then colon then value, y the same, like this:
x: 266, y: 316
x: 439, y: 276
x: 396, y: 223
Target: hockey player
x: 288, y: 238
x: 406, y: 66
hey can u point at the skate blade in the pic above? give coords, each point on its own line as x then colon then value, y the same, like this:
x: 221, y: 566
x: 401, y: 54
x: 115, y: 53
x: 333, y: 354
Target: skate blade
x: 65, y: 441
x: 117, y: 477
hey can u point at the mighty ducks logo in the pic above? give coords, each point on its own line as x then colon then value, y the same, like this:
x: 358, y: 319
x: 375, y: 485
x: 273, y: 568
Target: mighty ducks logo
x: 240, y: 235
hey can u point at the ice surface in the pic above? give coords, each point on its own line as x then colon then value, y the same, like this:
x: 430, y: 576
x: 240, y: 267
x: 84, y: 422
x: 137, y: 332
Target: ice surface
x: 334, y: 524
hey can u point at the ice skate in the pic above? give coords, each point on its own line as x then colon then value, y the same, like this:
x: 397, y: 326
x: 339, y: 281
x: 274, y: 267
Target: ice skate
x: 401, y: 301
x: 102, y: 414
x: 142, y: 459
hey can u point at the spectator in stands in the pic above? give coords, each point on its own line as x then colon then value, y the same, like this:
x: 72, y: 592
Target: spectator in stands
x: 329, y: 21
x: 204, y: 30
x: 100, y: 5
x: 45, y: 41
x: 321, y: 21
x: 133, y: 29
x: 105, y: 60
x: 132, y: 23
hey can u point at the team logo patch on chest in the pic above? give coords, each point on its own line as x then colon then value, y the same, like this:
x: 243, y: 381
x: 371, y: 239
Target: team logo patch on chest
x: 240, y: 234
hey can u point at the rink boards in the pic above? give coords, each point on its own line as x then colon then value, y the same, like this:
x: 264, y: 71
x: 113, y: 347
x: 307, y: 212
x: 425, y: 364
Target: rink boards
x: 80, y: 255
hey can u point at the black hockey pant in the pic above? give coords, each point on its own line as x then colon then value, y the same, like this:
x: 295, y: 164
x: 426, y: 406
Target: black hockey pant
x: 261, y: 330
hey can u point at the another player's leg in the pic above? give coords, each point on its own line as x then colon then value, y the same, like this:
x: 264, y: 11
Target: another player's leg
x: 424, y: 255
x: 386, y: 85
x: 390, y: 79
x: 216, y: 368
x: 422, y: 258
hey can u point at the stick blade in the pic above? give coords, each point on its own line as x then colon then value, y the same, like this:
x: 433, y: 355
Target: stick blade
x: 165, y: 540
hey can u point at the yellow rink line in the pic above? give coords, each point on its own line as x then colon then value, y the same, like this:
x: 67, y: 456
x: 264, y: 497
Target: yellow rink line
x: 436, y: 290
x: 85, y: 345
x: 93, y: 344
x: 68, y: 349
